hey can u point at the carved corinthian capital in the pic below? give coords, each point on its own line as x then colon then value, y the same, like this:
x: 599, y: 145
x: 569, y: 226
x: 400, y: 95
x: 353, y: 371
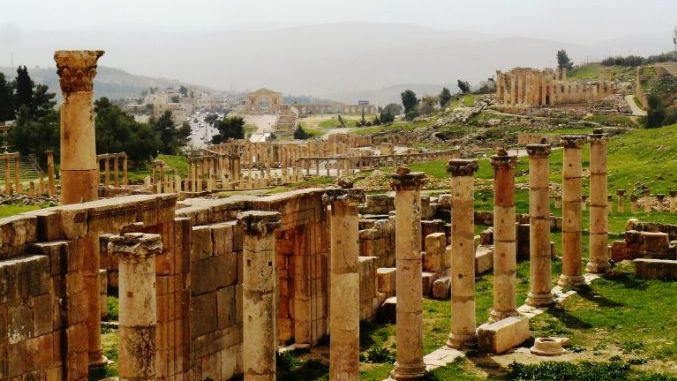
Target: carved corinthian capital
x: 76, y: 69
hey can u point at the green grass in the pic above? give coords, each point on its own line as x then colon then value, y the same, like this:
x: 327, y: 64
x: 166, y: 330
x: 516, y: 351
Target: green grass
x: 7, y: 210
x: 614, y: 120
x: 110, y: 341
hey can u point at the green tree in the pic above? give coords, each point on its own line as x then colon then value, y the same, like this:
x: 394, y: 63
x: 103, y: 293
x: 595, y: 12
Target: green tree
x: 386, y: 117
x: 43, y: 102
x: 393, y: 108
x: 463, y: 86
x: 444, y: 97
x: 6, y: 109
x: 563, y: 60
x: 119, y: 132
x: 35, y: 136
x: 211, y: 119
x: 171, y: 138
x: 229, y: 128
x: 300, y: 133
x: 656, y: 115
x: 23, y: 85
x: 409, y: 101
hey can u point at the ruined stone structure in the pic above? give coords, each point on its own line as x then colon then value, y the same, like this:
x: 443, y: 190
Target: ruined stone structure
x: 599, y: 215
x: 525, y: 87
x: 263, y: 101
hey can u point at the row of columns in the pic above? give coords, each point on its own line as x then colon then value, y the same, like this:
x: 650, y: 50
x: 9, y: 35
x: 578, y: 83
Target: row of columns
x: 119, y: 160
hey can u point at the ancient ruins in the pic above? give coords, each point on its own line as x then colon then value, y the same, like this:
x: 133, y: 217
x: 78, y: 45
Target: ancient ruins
x: 212, y: 287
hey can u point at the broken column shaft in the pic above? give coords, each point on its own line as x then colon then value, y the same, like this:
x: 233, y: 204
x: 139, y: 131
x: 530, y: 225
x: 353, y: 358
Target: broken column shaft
x: 599, y: 218
x: 344, y: 305
x: 259, y: 313
x: 138, y: 316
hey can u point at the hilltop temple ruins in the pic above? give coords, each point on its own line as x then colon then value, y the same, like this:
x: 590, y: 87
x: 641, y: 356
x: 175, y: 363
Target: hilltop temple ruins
x: 212, y: 287
x: 526, y: 87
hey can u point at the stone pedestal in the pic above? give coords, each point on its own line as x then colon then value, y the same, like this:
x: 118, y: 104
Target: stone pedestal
x: 505, y: 237
x: 633, y: 204
x: 599, y: 219
x: 647, y: 202
x: 138, y: 317
x: 463, y: 323
x: 539, y: 232
x: 673, y: 201
x: 572, y: 217
x: 344, y: 305
x: 259, y: 277
x: 409, y: 315
x: 79, y: 175
x: 659, y: 201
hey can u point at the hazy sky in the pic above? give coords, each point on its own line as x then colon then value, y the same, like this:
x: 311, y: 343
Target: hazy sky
x: 577, y: 21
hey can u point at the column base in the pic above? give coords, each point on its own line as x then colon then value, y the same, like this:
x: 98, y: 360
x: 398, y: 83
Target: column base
x: 408, y: 372
x: 495, y: 316
x: 97, y: 360
x: 572, y: 281
x: 540, y: 300
x: 462, y: 341
x: 597, y: 267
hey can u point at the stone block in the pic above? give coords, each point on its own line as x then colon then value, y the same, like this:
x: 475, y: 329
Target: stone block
x: 17, y: 230
x: 388, y: 310
x: 427, y: 279
x: 432, y: 262
x: 442, y: 288
x: 226, y: 306
x: 203, y: 317
x: 487, y: 236
x: 664, y: 269
x: 214, y: 273
x: 484, y: 259
x: 222, y: 238
x: 386, y: 280
x: 201, y: 243
x: 435, y: 243
x: 504, y: 334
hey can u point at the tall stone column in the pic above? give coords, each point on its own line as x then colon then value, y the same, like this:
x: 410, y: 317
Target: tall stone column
x: 106, y: 171
x: 51, y: 181
x: 409, y: 310
x: 138, y: 316
x: 539, y: 232
x: 344, y: 305
x: 599, y: 219
x: 673, y: 201
x: 572, y: 216
x: 17, y: 174
x: 124, y: 169
x: 8, y: 176
x: 79, y: 178
x: 505, y: 237
x: 621, y: 200
x: 659, y: 200
x: 463, y: 323
x: 116, y: 170
x: 633, y: 203
x: 259, y: 277
x: 647, y: 201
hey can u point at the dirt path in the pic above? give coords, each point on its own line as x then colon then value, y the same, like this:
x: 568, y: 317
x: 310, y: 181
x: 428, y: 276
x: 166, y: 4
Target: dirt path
x: 636, y: 110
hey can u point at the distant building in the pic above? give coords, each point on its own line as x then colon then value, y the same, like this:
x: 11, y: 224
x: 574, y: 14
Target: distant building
x: 526, y: 87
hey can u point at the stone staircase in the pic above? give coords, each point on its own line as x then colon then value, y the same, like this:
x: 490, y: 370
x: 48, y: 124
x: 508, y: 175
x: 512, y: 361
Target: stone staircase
x: 29, y: 170
x: 286, y: 123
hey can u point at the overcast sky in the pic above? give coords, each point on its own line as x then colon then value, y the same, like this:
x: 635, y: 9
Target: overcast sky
x: 575, y: 21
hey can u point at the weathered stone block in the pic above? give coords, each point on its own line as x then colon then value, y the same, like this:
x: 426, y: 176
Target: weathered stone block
x: 203, y: 317
x: 18, y: 230
x: 504, y: 334
x: 226, y: 307
x: 385, y: 279
x: 201, y: 243
x: 427, y: 279
x: 435, y: 243
x: 222, y: 237
x: 388, y: 310
x: 442, y: 288
x: 484, y: 259
x: 664, y: 269
x: 214, y: 273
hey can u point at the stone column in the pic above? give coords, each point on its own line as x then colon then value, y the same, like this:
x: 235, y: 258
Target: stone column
x: 17, y: 174
x: 106, y: 171
x: 673, y: 201
x: 539, y: 231
x: 572, y: 216
x: 138, y: 317
x: 344, y: 305
x: 633, y: 203
x: 463, y: 323
x: 116, y: 171
x: 51, y: 181
x: 8, y: 176
x: 259, y: 277
x: 621, y: 200
x: 659, y: 199
x: 505, y: 237
x: 409, y: 310
x: 124, y: 169
x: 647, y: 201
x: 79, y: 178
x: 599, y: 219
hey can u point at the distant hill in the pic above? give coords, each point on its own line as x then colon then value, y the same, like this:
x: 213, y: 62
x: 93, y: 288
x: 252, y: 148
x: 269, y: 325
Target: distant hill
x: 109, y: 82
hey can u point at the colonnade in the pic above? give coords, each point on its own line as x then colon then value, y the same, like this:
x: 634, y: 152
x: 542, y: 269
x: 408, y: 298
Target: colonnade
x: 119, y: 160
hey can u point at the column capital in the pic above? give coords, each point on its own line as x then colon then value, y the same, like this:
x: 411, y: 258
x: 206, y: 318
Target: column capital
x: 538, y: 149
x: 573, y: 141
x: 340, y: 194
x: 404, y: 179
x: 462, y: 167
x: 135, y: 246
x: 597, y: 136
x: 660, y: 196
x: 76, y: 69
x: 620, y: 192
x: 258, y: 222
x: 502, y: 160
